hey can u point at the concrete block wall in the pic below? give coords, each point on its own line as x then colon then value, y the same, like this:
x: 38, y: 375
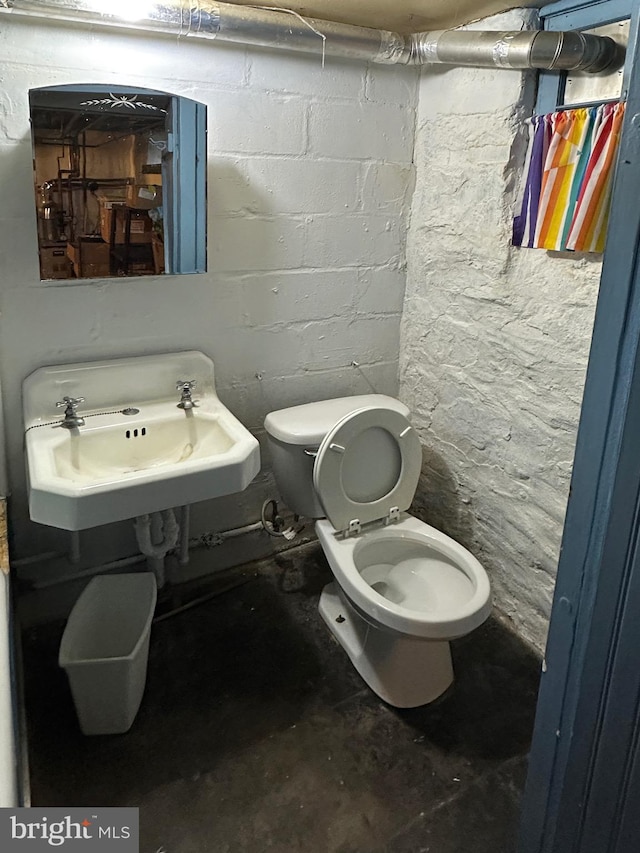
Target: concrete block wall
x: 309, y: 179
x: 494, y: 340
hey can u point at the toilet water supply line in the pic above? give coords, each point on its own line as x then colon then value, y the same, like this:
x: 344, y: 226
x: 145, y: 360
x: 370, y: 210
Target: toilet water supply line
x: 274, y: 526
x: 285, y: 29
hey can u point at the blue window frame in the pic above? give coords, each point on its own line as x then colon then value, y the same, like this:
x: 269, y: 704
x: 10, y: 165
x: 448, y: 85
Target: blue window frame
x: 572, y: 15
x: 185, y: 187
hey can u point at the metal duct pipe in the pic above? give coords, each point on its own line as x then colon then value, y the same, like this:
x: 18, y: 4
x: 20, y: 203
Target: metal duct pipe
x: 290, y: 31
x: 565, y: 51
x: 227, y: 22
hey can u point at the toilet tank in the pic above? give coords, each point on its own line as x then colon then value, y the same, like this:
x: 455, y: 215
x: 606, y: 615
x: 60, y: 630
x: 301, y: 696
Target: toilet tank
x: 293, y: 438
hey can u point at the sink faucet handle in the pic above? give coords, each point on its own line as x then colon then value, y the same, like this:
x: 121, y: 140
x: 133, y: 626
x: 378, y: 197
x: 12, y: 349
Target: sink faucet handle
x: 185, y: 386
x: 72, y: 420
x: 70, y: 403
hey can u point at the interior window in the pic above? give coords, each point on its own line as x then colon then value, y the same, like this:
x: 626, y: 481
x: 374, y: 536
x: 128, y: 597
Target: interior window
x: 119, y: 181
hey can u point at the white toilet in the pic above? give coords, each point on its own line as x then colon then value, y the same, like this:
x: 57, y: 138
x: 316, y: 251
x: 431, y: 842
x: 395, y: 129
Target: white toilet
x: 402, y: 589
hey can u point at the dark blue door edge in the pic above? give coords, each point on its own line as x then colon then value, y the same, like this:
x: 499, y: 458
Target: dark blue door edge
x: 585, y: 766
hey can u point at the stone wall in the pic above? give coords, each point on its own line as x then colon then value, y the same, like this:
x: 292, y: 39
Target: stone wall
x: 494, y: 339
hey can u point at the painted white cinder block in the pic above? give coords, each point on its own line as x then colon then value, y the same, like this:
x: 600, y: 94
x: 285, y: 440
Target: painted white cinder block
x: 305, y: 244
x: 387, y: 187
x: 395, y: 86
x: 368, y: 131
x: 278, y: 298
x: 494, y: 340
x: 285, y: 186
x: 247, y: 121
x: 306, y: 75
x: 16, y: 172
x: 379, y: 291
x: 255, y: 243
x: 360, y: 240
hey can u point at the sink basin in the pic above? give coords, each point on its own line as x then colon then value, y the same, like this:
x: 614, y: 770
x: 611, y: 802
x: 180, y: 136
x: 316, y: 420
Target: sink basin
x: 121, y: 465
x: 104, y: 452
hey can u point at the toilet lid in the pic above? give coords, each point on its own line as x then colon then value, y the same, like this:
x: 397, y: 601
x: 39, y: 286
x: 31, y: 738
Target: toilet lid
x: 368, y: 464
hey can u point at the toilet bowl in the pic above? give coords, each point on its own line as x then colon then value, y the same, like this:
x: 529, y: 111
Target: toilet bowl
x: 402, y: 589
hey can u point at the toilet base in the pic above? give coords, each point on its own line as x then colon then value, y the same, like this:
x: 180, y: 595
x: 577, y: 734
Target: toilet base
x: 404, y: 671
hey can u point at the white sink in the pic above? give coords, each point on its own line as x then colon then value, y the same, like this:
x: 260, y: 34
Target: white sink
x: 118, y: 465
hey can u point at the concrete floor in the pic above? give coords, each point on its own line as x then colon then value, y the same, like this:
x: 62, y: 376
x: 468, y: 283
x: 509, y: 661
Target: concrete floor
x: 255, y: 734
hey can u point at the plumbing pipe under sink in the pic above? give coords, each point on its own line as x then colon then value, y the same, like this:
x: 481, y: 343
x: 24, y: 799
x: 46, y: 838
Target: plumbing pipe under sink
x: 183, y: 544
x: 157, y: 534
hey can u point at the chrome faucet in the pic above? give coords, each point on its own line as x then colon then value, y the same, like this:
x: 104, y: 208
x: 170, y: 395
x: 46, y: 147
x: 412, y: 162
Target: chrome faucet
x: 185, y: 387
x: 72, y: 419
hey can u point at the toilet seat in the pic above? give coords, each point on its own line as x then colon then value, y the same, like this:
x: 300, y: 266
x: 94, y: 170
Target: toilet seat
x: 367, y: 468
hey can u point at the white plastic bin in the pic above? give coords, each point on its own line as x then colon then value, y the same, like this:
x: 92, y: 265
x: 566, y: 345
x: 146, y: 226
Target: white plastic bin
x: 105, y: 648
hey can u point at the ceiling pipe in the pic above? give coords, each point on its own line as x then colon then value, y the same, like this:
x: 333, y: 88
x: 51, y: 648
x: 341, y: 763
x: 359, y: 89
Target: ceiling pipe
x: 542, y: 49
x: 571, y: 51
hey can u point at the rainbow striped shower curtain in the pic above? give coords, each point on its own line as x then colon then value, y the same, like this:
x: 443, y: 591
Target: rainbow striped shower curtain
x: 566, y: 193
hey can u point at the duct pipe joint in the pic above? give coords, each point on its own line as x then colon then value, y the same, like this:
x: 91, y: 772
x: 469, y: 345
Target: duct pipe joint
x: 394, y: 49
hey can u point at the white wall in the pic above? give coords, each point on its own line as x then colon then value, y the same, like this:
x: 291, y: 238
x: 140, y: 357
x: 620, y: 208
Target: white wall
x: 310, y: 182
x: 310, y: 174
x: 494, y: 339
